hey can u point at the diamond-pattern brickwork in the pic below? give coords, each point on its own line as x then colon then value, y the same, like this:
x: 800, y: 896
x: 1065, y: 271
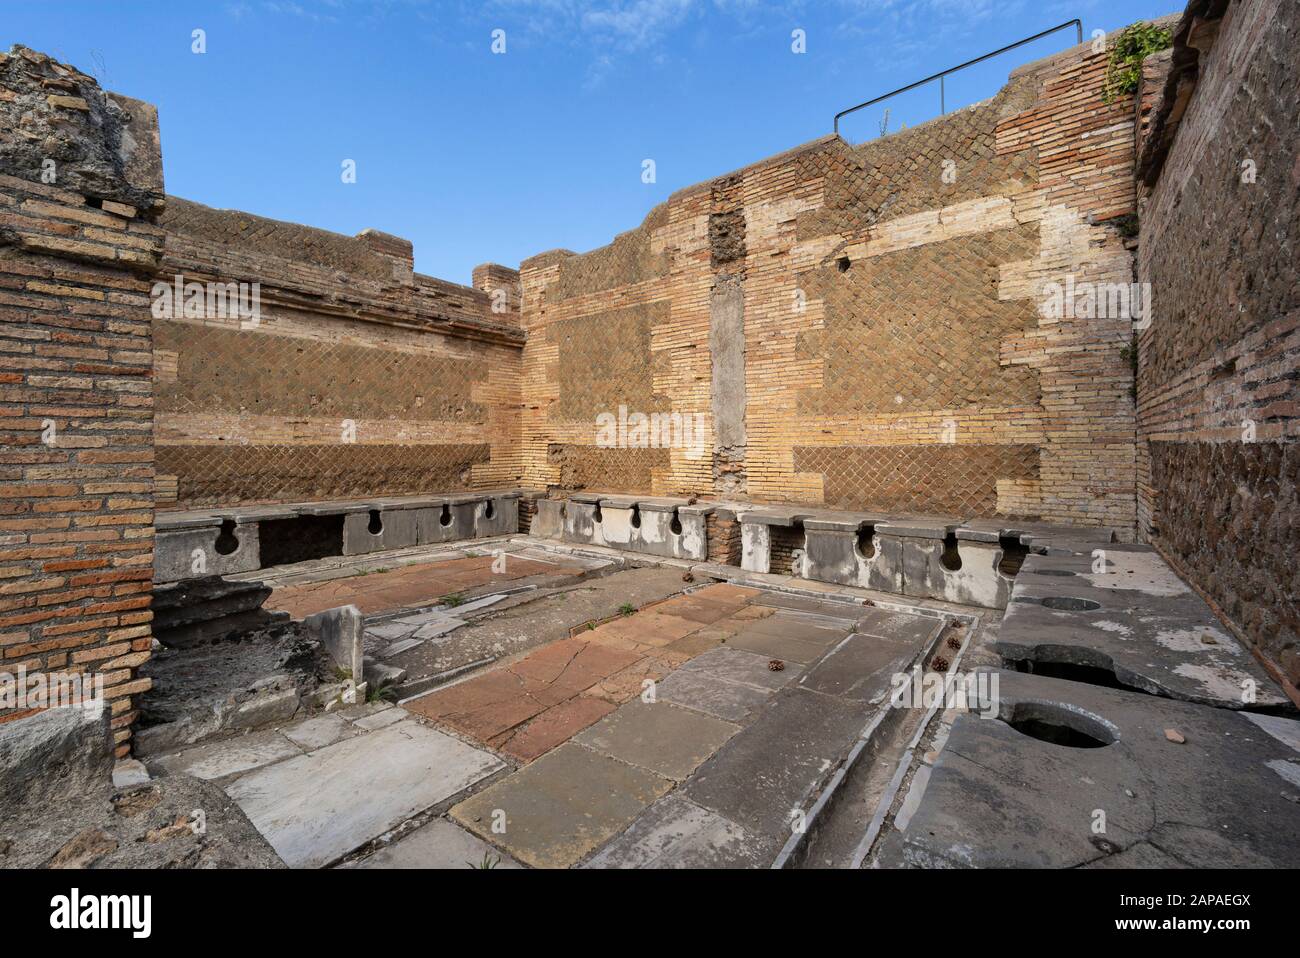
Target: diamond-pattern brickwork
x: 358, y: 378
x: 211, y: 475
x: 889, y: 299
x: 258, y: 234
x: 938, y: 478
x: 937, y: 345
x: 604, y: 361
x: 607, y: 470
x: 631, y: 258
x: 902, y: 173
x: 221, y: 370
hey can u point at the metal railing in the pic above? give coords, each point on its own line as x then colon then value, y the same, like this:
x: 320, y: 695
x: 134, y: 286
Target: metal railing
x: 943, y: 107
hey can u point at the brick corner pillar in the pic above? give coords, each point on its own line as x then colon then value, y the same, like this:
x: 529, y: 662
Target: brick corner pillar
x: 80, y: 187
x: 503, y: 289
x: 398, y: 251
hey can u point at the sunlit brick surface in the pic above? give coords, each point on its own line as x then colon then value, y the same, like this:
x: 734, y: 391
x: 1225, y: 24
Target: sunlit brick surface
x: 894, y: 352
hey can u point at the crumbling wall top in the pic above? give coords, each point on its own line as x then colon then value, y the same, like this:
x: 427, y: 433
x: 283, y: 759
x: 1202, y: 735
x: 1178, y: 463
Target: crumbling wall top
x: 1193, y: 36
x: 57, y: 126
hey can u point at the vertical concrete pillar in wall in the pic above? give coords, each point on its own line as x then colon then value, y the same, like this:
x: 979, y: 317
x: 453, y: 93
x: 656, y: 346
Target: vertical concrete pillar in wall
x: 727, y: 348
x: 755, y: 545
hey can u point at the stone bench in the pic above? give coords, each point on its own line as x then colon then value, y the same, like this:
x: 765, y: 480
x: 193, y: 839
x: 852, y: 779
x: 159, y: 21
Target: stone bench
x: 223, y: 541
x: 950, y: 559
x: 651, y: 525
x: 190, y: 545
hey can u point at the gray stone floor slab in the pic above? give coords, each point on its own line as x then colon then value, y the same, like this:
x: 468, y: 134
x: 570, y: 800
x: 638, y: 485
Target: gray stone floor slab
x: 801, y: 628
x: 894, y: 625
x: 423, y: 618
x: 749, y: 668
x: 315, y: 808
x: 705, y: 692
x: 838, y: 610
x: 476, y: 604
x: 438, y: 628
x: 1285, y: 730
x: 787, y: 648
x: 318, y: 732
x: 663, y: 738
x: 912, y: 800
x: 563, y: 806
x: 439, y: 844
x: 674, y: 832
x: 217, y: 760
x: 862, y: 667
x: 381, y: 719
x: 999, y: 797
x: 359, y: 711
x: 772, y: 766
x: 389, y: 631
x: 400, y: 646
x: 129, y: 773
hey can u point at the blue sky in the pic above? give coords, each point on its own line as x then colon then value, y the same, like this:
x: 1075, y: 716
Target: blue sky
x: 479, y: 157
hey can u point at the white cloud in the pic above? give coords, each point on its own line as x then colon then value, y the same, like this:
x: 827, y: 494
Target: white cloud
x: 638, y: 24
x: 623, y: 25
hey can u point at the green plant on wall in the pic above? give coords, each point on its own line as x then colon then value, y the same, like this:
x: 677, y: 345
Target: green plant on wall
x: 1134, y: 44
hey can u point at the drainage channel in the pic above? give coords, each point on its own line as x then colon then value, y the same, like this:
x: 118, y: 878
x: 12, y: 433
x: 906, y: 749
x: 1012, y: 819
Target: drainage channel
x: 845, y: 819
x: 886, y: 787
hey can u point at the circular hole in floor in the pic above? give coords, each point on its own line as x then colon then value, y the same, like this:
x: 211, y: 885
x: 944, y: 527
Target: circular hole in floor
x: 1058, y: 725
x: 1068, y: 603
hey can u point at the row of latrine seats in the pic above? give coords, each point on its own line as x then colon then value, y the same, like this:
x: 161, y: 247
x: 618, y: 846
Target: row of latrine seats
x: 664, y: 527
x: 243, y: 539
x: 969, y: 562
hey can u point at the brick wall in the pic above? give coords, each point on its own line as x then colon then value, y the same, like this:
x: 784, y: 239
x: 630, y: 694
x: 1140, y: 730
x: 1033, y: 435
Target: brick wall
x: 1218, y: 393
x: 358, y: 378
x: 723, y: 534
x: 874, y: 331
x: 80, y: 181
